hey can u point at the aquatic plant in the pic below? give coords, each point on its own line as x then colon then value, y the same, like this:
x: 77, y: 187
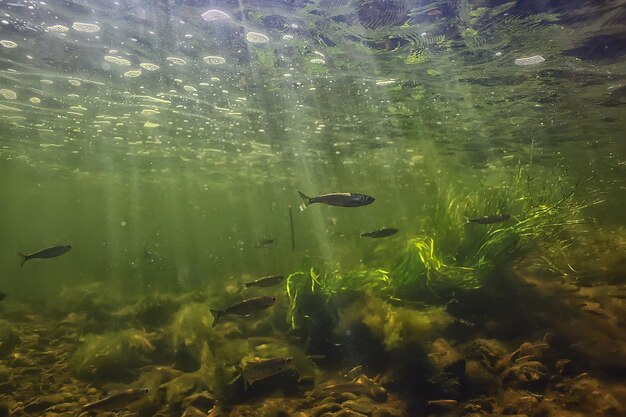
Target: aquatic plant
x: 8, y: 338
x: 396, y: 327
x: 457, y: 255
x: 112, y: 355
x: 152, y: 310
x: 454, y: 254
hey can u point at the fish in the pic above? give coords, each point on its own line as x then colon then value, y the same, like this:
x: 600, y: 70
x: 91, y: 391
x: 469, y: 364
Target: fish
x: 2, y: 296
x: 337, y: 199
x: 380, y: 233
x: 117, y: 401
x: 256, y: 371
x: 265, y: 281
x: 491, y: 219
x: 264, y: 243
x: 51, y: 252
x: 445, y: 403
x: 244, y: 308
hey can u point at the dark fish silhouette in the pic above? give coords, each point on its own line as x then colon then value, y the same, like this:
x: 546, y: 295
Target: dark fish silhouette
x: 265, y: 281
x: 380, y: 233
x: 256, y: 371
x: 244, y: 308
x: 337, y: 199
x: 117, y: 401
x: 491, y: 219
x: 264, y: 243
x: 51, y: 252
x: 2, y: 296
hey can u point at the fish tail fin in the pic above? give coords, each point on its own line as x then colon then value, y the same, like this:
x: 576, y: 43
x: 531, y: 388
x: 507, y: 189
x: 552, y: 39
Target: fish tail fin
x: 235, y: 379
x: 305, y: 201
x: 24, y: 259
x: 217, y: 315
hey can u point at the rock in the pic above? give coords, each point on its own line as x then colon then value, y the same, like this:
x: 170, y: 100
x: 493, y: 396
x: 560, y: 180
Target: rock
x: 330, y: 400
x: 46, y: 401
x: 348, y: 413
x: 519, y: 402
x: 4, y: 408
x: 325, y: 408
x: 193, y: 412
x: 362, y: 405
x: 7, y: 383
x: 383, y: 411
x: 201, y: 400
x: 479, y: 380
x: 345, y: 396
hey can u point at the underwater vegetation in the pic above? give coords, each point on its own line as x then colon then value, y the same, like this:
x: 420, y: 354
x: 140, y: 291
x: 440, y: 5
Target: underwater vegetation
x: 128, y: 349
x: 9, y: 338
x: 453, y: 254
x: 460, y: 258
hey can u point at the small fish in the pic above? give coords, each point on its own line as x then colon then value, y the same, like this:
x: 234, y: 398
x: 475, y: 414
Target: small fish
x: 2, y: 296
x: 264, y: 243
x: 445, y: 403
x: 244, y: 308
x: 380, y: 233
x: 265, y: 281
x: 51, y: 252
x: 337, y: 199
x: 256, y: 371
x: 491, y: 219
x: 117, y: 401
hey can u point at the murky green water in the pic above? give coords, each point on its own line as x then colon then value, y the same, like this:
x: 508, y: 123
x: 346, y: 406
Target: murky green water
x: 163, y: 140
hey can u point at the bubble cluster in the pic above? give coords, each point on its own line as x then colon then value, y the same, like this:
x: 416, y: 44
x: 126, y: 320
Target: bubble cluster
x: 150, y: 124
x: 116, y: 60
x: 149, y: 67
x: 85, y: 27
x: 318, y: 61
x: 35, y: 100
x: 531, y: 60
x: 8, y: 94
x: 214, y: 60
x: 132, y: 73
x: 255, y: 37
x: 214, y: 15
x: 175, y: 61
x: 190, y: 88
x: 46, y: 82
x: 8, y: 44
x: 75, y: 83
x: 57, y: 29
